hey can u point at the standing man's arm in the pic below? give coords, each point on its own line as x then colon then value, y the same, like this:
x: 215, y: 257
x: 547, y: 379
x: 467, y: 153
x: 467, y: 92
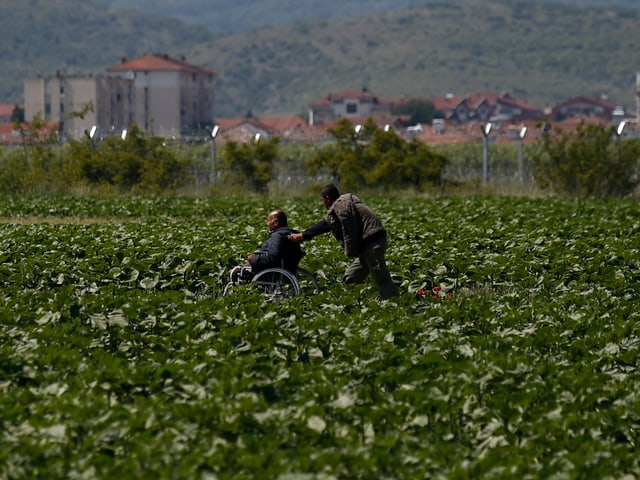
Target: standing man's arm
x: 313, y: 231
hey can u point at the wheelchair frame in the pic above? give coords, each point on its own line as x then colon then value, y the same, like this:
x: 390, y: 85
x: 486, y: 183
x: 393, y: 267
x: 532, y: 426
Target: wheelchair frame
x: 279, y: 282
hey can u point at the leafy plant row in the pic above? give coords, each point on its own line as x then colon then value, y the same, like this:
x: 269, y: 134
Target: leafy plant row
x: 119, y: 355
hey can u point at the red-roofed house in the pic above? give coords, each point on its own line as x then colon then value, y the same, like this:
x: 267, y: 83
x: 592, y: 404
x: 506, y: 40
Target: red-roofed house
x: 515, y: 110
x: 6, y: 112
x: 583, y: 106
x: 9, y: 136
x: 293, y: 129
x: 241, y: 130
x: 482, y: 107
x: 453, y: 108
x: 501, y: 107
x: 290, y: 129
x: 347, y: 104
x: 171, y: 96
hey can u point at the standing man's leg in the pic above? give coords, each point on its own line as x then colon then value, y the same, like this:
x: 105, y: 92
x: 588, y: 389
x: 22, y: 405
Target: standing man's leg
x: 374, y: 258
x: 356, y: 272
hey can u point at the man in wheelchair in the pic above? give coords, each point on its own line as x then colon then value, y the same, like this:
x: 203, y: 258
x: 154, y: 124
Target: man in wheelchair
x: 276, y: 252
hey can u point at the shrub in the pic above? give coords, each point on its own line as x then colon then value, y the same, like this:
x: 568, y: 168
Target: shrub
x: 249, y: 164
x: 590, y: 162
x: 137, y: 164
x: 377, y: 158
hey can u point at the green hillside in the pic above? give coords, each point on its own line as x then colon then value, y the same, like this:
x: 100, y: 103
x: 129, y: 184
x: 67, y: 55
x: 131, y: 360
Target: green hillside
x: 44, y: 36
x: 540, y: 52
x: 233, y: 16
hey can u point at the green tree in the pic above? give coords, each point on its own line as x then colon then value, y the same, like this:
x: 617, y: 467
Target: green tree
x: 419, y: 110
x: 137, y: 164
x: 17, y: 114
x: 36, y: 167
x: 250, y: 165
x: 589, y: 162
x: 377, y: 158
x: 401, y: 164
x: 346, y: 159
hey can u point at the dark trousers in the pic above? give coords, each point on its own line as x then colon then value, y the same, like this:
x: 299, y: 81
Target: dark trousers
x: 372, y: 261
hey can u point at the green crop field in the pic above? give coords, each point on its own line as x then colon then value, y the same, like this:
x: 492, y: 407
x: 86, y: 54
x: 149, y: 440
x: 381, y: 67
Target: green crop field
x: 121, y: 358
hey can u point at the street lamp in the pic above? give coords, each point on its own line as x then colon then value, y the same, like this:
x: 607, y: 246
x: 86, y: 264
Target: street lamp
x: 486, y: 129
x: 356, y: 137
x: 92, y: 132
x: 123, y: 135
x: 619, y: 132
x: 521, y: 134
x: 212, y: 169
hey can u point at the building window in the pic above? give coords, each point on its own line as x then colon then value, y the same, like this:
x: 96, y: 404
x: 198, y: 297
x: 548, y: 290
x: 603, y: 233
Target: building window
x: 352, y: 108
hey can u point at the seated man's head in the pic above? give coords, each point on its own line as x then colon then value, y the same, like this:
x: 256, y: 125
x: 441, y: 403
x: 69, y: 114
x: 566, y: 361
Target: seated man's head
x: 276, y: 219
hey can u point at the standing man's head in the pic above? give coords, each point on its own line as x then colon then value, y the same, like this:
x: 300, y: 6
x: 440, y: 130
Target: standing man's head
x: 329, y: 194
x: 276, y: 219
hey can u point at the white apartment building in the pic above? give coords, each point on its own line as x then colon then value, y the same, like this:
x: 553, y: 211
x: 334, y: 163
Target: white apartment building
x: 161, y: 95
x: 347, y: 104
x: 171, y: 97
x: 77, y: 102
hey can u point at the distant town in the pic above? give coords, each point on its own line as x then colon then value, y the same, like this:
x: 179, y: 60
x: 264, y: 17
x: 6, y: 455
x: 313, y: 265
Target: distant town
x: 169, y: 97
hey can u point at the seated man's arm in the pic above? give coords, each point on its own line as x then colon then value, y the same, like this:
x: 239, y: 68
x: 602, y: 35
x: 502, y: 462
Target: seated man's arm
x: 270, y: 254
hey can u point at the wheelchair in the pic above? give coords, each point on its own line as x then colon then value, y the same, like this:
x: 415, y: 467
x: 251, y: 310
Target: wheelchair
x: 277, y: 282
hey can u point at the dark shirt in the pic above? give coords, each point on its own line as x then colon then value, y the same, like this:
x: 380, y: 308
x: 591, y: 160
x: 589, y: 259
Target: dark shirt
x: 351, y: 222
x: 278, y: 251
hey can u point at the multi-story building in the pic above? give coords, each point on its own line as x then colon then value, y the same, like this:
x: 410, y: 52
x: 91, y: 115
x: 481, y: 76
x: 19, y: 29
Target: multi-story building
x: 77, y: 102
x: 161, y: 95
x: 638, y: 97
x: 171, y: 97
x: 347, y: 104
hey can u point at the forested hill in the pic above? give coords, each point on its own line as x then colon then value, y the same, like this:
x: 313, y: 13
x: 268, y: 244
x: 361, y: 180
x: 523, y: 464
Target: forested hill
x: 540, y: 52
x: 233, y: 16
x: 43, y: 36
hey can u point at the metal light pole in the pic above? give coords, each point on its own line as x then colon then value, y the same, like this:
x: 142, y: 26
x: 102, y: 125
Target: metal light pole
x: 521, y: 134
x: 486, y: 129
x: 212, y: 169
x: 619, y: 133
x: 356, y: 136
x: 91, y: 135
x: 620, y: 128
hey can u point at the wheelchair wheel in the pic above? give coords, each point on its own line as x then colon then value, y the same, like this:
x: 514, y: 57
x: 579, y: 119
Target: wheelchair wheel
x: 227, y: 288
x: 308, y: 281
x: 277, y: 282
